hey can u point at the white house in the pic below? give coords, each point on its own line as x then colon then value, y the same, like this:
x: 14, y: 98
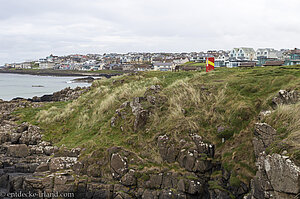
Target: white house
x: 243, y: 54
x: 180, y: 60
x: 26, y: 65
x: 47, y: 65
x: 168, y: 66
x: 268, y: 53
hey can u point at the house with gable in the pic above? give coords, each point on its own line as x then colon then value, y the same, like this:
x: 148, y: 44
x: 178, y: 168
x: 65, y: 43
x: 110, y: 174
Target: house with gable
x: 294, y: 57
x: 241, y: 55
x: 166, y: 66
x: 269, y: 55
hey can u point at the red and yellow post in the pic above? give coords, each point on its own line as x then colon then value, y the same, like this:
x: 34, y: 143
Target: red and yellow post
x: 210, y: 64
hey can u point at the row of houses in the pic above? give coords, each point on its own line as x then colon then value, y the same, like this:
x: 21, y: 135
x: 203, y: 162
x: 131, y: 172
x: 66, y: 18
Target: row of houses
x: 164, y: 61
x: 261, y: 57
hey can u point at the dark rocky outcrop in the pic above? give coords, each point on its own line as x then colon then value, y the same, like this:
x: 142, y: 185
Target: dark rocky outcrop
x: 63, y: 95
x: 141, y: 114
x: 264, y: 136
x: 277, y: 175
x: 138, y: 109
x: 84, y: 79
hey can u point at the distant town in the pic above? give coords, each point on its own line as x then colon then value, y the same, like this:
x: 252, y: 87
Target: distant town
x: 237, y: 57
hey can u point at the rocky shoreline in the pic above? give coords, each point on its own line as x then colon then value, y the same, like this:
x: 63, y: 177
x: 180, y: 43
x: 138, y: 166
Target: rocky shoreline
x: 27, y: 163
x: 49, y: 72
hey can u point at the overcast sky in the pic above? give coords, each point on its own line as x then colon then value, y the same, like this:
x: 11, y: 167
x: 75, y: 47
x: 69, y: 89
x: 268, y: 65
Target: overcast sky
x: 31, y: 29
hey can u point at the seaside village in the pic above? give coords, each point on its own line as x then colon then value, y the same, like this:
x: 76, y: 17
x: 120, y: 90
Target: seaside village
x: 237, y: 57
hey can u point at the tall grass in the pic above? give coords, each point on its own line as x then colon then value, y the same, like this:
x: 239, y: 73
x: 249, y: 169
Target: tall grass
x: 286, y: 120
x: 191, y: 102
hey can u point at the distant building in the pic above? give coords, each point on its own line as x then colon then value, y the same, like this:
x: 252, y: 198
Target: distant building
x: 243, y: 54
x: 180, y: 61
x: 274, y: 63
x: 47, y: 65
x: 159, y: 66
x: 142, y: 67
x: 266, y: 55
x: 240, y: 63
x: 294, y: 57
x: 17, y: 65
x: 222, y: 60
x: 26, y: 65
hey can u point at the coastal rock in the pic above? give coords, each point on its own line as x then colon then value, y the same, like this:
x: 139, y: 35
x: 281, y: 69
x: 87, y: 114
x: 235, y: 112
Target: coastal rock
x: 18, y: 150
x: 217, y: 193
x: 167, y: 150
x: 141, y: 115
x: 60, y: 163
x: 101, y: 191
x: 63, y: 95
x: 36, y: 150
x: 285, y: 97
x: 202, y: 147
x: 16, y: 183
x: 93, y: 170
x: 190, y: 186
x: 84, y: 80
x: 118, y: 165
x: 283, y: 174
x: 64, y: 183
x: 155, y: 181
x: 150, y: 93
x: 277, y: 177
x: 49, y: 150
x: 140, y: 119
x: 264, y: 114
x: 65, y: 152
x: 31, y: 137
x: 15, y: 137
x: 129, y: 178
x: 4, y: 137
x: 42, y: 167
x: 264, y: 136
x: 22, y: 128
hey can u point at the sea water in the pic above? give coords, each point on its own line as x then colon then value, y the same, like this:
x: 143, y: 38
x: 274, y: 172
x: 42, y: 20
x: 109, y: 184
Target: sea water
x: 28, y: 86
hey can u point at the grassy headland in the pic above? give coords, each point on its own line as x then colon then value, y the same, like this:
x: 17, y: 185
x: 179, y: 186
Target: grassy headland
x: 190, y: 102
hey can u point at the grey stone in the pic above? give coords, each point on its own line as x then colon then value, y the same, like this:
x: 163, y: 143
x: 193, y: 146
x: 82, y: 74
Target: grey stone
x: 59, y: 163
x: 264, y: 136
x: 129, y: 178
x: 42, y: 167
x: 118, y: 165
x: 285, y: 97
x: 283, y: 174
x: 167, y: 150
x: 18, y: 150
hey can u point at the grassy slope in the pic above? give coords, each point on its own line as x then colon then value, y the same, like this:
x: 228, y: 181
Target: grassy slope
x: 231, y: 98
x: 195, y: 64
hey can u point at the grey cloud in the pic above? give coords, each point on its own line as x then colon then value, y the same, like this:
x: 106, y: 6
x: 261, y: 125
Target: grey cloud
x: 35, y: 28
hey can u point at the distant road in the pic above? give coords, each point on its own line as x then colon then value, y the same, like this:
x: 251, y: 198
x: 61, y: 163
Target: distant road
x: 51, y: 72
